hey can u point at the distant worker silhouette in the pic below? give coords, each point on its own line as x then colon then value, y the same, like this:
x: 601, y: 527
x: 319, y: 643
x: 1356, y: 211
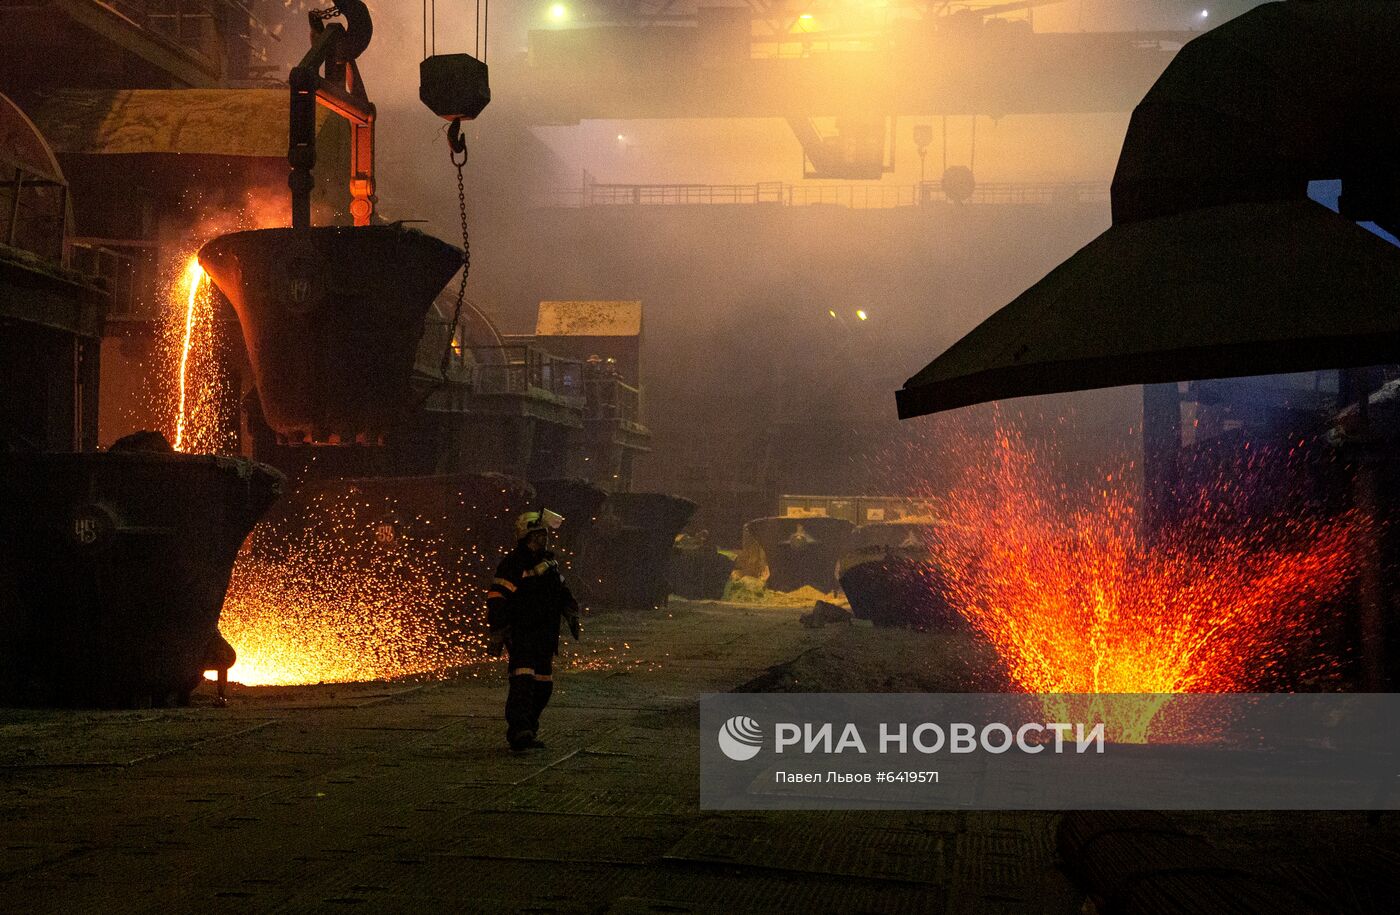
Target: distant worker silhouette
x: 524, y: 608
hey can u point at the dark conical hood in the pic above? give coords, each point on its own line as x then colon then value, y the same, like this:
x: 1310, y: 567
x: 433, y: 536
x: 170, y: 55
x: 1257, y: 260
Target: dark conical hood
x: 332, y: 317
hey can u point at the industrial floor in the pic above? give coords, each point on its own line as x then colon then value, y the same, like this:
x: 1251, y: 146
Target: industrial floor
x: 403, y: 798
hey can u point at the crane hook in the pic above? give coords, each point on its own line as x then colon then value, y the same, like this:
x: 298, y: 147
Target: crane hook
x: 457, y: 143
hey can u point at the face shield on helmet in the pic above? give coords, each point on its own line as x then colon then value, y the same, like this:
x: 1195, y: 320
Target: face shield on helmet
x: 542, y: 520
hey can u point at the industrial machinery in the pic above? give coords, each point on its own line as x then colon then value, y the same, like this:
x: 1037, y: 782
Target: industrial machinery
x: 801, y: 552
x: 333, y: 47
x: 117, y: 564
x: 332, y: 315
x: 628, y: 558
x: 1221, y: 266
x: 860, y: 66
x: 699, y: 571
x: 333, y: 318
x: 891, y: 577
x: 456, y: 87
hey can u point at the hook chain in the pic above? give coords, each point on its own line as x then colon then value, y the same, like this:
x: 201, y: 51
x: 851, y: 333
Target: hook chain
x: 458, y: 146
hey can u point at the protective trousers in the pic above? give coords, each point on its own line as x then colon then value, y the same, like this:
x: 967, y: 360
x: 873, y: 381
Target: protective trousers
x: 531, y: 684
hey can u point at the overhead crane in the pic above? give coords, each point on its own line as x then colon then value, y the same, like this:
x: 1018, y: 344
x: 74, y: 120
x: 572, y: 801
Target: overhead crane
x: 864, y: 63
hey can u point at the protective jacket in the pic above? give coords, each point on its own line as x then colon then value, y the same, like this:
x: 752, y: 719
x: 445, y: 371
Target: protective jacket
x: 527, y: 601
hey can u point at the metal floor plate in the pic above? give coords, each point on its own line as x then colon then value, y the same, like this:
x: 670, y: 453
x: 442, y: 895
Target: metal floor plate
x: 914, y: 857
x: 671, y: 891
x: 554, y: 837
x: 604, y: 803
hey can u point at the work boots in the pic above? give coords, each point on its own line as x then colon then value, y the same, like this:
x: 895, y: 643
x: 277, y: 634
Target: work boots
x: 540, y: 695
x: 525, y: 700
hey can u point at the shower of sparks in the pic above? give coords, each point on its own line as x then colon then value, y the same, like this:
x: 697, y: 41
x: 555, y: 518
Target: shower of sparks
x: 345, y: 586
x: 309, y: 617
x: 340, y: 592
x: 1075, y: 600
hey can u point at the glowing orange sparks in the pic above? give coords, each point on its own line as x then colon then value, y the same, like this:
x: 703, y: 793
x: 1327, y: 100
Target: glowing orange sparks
x: 193, y: 279
x: 346, y: 588
x: 1076, y: 600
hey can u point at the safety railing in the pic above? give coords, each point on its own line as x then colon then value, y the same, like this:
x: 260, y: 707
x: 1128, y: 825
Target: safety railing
x: 851, y: 196
x: 129, y: 269
x: 525, y: 370
x: 214, y: 32
x: 33, y: 211
x: 612, y: 399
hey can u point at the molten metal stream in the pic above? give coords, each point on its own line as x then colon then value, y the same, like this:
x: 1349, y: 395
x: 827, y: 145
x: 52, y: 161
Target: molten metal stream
x: 193, y: 278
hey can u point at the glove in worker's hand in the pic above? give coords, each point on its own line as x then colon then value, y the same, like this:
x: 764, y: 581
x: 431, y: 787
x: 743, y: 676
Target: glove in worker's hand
x: 496, y: 644
x: 575, y: 627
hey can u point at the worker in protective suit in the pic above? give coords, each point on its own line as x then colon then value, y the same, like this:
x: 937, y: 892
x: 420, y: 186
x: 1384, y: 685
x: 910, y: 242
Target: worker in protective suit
x: 525, y: 605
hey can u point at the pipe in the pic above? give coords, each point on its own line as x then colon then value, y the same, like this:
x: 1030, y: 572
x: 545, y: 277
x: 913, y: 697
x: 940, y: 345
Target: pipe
x: 1253, y: 110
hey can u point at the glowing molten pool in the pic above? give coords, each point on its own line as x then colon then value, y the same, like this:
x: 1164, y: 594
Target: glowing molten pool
x: 1075, y: 600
